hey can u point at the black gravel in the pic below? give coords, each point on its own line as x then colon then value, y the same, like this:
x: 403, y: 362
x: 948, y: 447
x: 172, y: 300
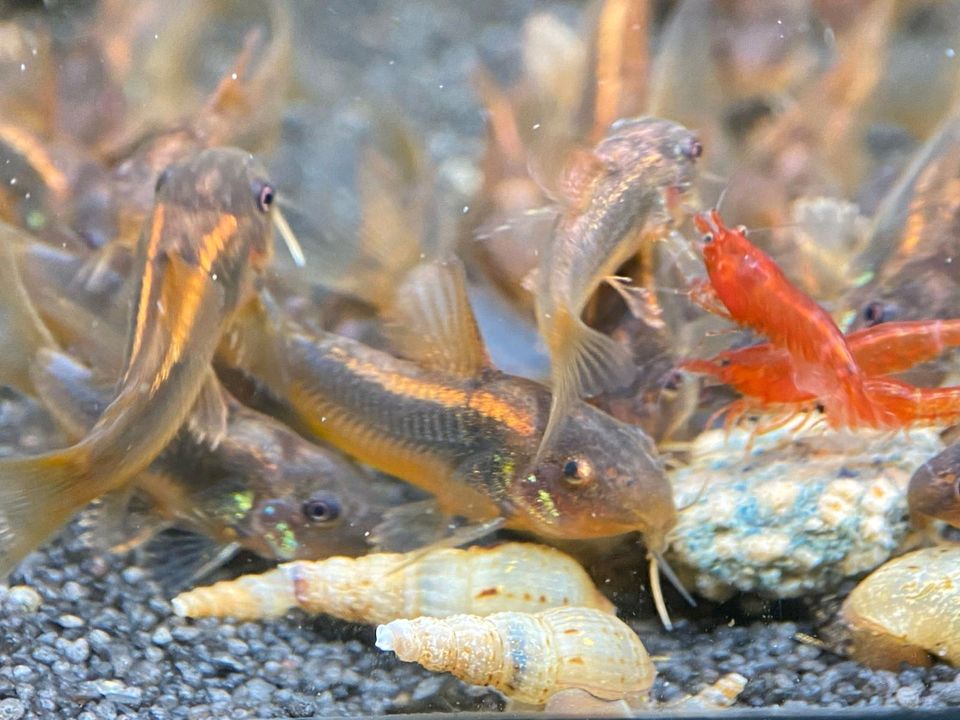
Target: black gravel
x: 92, y: 636
x: 89, y: 636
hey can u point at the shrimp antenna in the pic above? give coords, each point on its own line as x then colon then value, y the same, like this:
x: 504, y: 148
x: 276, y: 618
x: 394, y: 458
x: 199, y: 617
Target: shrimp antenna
x: 723, y: 195
x: 286, y: 202
x: 657, y: 565
x: 714, y: 177
x: 289, y: 239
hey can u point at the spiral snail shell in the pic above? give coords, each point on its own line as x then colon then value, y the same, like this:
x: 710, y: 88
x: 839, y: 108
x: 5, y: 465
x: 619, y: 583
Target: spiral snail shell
x: 527, y: 657
x: 908, y: 610
x: 382, y: 587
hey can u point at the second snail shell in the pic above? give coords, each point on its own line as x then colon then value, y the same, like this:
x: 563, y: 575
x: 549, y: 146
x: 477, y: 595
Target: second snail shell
x: 527, y: 657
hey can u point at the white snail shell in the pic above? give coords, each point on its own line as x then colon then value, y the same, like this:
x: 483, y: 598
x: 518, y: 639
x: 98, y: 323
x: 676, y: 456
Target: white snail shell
x: 385, y: 586
x: 907, y: 610
x: 527, y: 657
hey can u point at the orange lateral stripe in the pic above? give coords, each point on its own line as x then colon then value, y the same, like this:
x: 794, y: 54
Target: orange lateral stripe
x: 482, y: 402
x: 146, y: 283
x: 181, y: 327
x: 37, y: 157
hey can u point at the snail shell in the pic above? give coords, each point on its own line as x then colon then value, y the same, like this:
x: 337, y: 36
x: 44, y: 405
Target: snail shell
x: 907, y: 610
x: 529, y: 658
x: 385, y: 586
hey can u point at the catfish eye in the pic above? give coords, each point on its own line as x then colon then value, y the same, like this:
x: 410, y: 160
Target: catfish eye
x: 265, y: 195
x: 692, y: 150
x: 876, y: 312
x: 321, y: 510
x: 162, y: 180
x: 577, y: 471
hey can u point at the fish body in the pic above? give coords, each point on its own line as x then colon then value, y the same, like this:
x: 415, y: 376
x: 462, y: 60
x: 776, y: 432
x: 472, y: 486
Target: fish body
x: 626, y: 184
x: 207, y: 238
x: 933, y: 489
x: 460, y: 429
x: 261, y: 488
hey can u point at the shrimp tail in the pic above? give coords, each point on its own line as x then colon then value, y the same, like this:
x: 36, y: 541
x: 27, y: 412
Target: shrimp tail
x: 588, y: 364
x: 38, y: 495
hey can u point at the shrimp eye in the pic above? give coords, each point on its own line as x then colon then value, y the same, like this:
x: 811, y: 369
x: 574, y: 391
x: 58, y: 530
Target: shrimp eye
x: 707, y: 238
x: 577, y: 472
x: 876, y: 312
x: 321, y: 510
x: 265, y: 195
x: 742, y: 229
x: 692, y: 150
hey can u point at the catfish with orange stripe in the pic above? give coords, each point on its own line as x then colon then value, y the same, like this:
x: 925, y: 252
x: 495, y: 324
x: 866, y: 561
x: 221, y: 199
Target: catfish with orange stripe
x: 441, y: 418
x: 207, y: 239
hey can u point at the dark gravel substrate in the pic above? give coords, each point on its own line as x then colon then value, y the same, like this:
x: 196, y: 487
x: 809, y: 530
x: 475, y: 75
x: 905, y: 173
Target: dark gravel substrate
x: 103, y: 644
x: 95, y: 638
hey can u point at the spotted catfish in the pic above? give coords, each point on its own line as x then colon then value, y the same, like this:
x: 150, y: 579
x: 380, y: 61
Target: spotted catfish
x: 206, y: 241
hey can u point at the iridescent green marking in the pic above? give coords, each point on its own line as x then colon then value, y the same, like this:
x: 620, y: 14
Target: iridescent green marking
x: 242, y: 503
x: 846, y: 320
x: 36, y: 220
x: 863, y: 278
x: 284, y: 541
x: 546, y: 502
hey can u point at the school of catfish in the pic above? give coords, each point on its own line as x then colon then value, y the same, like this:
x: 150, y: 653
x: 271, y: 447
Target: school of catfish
x: 221, y: 382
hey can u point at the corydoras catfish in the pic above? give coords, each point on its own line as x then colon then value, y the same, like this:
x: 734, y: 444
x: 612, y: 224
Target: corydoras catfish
x: 621, y: 189
x: 446, y: 421
x: 261, y: 488
x: 205, y: 242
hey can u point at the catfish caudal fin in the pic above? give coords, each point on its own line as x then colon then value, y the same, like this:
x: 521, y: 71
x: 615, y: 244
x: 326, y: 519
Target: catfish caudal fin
x: 587, y: 363
x: 38, y: 495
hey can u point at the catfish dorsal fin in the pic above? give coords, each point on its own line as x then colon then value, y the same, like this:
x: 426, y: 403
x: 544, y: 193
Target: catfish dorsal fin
x: 433, y: 321
x: 210, y: 411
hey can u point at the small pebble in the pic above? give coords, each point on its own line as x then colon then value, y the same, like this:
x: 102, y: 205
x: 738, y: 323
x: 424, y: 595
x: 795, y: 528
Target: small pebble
x: 12, y: 709
x: 23, y: 597
x: 44, y: 655
x: 255, y: 690
x: 133, y: 575
x: 23, y: 673
x: 185, y: 634
x: 78, y: 651
x: 73, y: 591
x: 70, y: 621
x: 908, y: 697
x: 115, y: 691
x: 161, y: 636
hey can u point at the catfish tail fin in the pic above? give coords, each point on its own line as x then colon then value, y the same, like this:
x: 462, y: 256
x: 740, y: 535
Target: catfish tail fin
x: 38, y: 495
